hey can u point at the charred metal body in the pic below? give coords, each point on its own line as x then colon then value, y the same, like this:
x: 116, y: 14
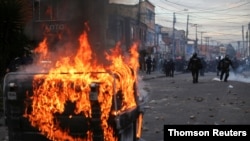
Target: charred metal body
x: 18, y: 89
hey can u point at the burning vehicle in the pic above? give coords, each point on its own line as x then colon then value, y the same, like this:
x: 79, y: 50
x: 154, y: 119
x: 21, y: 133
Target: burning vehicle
x: 72, y: 92
x: 74, y: 97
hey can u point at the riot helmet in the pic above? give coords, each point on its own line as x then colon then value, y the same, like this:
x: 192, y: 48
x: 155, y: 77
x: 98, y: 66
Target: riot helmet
x: 226, y: 56
x: 195, y: 54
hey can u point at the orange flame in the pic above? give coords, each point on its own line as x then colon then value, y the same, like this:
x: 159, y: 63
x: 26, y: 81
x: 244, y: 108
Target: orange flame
x: 42, y: 49
x: 70, y: 80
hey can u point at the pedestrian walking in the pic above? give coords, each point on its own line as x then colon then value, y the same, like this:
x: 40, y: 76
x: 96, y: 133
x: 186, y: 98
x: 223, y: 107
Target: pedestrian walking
x: 149, y: 65
x: 194, y: 65
x: 166, y: 67
x: 171, y: 67
x: 224, y: 67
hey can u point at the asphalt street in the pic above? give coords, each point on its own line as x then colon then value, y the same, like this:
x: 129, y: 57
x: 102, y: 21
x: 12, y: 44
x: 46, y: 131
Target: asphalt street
x: 177, y: 101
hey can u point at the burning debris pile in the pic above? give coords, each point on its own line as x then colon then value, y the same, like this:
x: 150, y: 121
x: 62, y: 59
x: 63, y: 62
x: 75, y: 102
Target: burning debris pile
x: 85, y: 83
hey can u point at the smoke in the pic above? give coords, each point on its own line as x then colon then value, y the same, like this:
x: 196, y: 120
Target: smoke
x: 62, y: 23
x: 143, y: 94
x: 240, y: 77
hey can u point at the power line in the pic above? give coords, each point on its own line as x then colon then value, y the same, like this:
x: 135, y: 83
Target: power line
x: 209, y: 10
x: 226, y: 22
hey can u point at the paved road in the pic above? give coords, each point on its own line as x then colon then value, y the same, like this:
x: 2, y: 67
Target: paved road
x: 177, y: 100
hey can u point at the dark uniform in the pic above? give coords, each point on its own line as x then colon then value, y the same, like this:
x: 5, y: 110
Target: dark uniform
x: 223, y: 66
x: 149, y: 64
x: 194, y: 65
x: 169, y: 66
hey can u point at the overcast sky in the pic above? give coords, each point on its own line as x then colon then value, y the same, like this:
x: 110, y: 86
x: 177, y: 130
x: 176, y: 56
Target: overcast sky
x: 220, y: 20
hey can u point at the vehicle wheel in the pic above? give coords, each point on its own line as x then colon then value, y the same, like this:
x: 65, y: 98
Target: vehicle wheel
x: 128, y: 134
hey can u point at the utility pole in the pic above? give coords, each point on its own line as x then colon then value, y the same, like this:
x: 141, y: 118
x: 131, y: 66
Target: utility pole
x: 248, y: 39
x: 247, y: 48
x: 187, y: 29
x: 201, y: 38
x: 207, y: 45
x: 186, y: 42
x: 244, y: 52
x: 173, y: 40
x: 238, y: 50
x: 196, y: 39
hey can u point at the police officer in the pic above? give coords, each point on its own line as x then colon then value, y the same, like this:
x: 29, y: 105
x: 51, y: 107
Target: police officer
x: 223, y: 66
x: 149, y: 65
x: 172, y: 67
x: 194, y: 65
x: 167, y: 67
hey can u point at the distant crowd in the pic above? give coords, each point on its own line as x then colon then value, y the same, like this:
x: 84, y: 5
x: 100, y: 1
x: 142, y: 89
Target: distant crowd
x: 169, y: 66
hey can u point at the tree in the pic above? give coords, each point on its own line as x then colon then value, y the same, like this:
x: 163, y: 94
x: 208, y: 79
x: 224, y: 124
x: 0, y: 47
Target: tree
x: 14, y: 15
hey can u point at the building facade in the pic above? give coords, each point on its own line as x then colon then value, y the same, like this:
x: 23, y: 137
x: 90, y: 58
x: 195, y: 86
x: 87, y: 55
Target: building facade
x: 147, y: 17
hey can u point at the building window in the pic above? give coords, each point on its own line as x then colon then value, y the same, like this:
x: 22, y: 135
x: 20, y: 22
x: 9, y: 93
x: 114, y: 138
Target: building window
x: 48, y: 10
x: 150, y: 15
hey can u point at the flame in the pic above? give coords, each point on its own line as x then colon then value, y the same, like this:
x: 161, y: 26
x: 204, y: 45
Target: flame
x: 139, y: 126
x: 42, y: 49
x: 70, y: 79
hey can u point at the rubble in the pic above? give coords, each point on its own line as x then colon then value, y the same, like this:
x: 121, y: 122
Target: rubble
x: 192, y: 117
x: 198, y: 99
